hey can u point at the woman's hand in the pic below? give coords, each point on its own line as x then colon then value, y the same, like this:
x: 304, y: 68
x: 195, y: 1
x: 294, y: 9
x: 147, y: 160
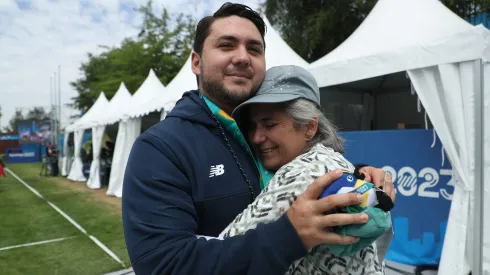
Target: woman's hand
x: 307, y: 216
x: 380, y: 179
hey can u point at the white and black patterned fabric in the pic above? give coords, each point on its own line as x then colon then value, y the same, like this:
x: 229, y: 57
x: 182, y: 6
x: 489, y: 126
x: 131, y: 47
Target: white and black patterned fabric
x: 288, y: 183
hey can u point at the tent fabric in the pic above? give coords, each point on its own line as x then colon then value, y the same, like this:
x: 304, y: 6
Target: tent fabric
x: 66, y: 156
x: 277, y: 53
x: 119, y: 102
x: 76, y: 170
x: 147, y: 99
x: 449, y: 92
x: 96, y: 111
x: 185, y: 80
x: 127, y: 134
x: 486, y: 166
x: 438, y: 49
x: 94, y: 178
x: 163, y: 114
x: 441, y: 89
x: 425, y: 31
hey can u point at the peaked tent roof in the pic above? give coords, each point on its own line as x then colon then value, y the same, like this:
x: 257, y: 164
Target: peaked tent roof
x: 185, y: 80
x: 96, y: 110
x: 145, y: 99
x: 399, y: 35
x: 277, y: 53
x: 119, y: 101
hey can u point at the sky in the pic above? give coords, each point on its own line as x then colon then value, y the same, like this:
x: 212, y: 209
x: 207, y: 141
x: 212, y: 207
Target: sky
x: 39, y: 36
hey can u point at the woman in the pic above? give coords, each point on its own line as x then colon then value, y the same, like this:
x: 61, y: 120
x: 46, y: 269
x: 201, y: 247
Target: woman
x: 292, y: 137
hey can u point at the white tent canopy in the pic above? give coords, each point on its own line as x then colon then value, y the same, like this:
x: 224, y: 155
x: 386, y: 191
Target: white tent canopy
x: 185, y: 80
x: 119, y: 102
x: 97, y: 110
x: 93, y: 181
x: 277, y: 53
x: 76, y: 170
x: 66, y: 160
x: 446, y: 60
x: 395, y: 30
x: 147, y: 98
x: 126, y: 135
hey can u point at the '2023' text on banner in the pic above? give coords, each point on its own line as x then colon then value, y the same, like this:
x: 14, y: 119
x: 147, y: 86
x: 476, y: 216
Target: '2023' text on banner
x: 424, y: 188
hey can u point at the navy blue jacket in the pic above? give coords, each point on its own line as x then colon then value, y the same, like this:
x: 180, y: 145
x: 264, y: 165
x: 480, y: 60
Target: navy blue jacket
x: 182, y: 180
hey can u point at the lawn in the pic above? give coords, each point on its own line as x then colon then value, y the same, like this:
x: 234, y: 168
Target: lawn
x: 26, y: 218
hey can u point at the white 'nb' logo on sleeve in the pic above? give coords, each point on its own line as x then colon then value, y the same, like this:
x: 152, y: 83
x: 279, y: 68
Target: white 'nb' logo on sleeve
x: 217, y: 170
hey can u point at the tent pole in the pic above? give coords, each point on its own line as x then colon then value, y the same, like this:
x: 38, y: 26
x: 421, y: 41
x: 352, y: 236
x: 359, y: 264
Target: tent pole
x: 477, y: 266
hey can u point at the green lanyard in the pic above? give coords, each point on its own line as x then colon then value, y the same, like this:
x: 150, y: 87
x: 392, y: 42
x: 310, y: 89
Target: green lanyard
x: 232, y: 127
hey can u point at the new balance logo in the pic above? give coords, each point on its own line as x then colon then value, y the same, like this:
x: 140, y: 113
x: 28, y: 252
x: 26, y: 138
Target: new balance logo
x: 217, y: 170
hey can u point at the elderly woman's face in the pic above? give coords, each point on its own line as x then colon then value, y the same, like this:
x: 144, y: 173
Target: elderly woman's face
x: 273, y: 135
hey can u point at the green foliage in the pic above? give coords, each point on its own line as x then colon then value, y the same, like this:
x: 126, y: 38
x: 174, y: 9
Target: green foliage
x: 313, y: 28
x: 35, y: 113
x: 14, y: 120
x: 158, y: 46
x: 6, y: 128
x: 467, y: 8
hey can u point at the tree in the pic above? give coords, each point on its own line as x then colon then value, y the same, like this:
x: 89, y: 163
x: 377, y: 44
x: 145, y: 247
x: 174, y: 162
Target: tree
x: 158, y: 46
x: 313, y: 28
x: 15, y: 119
x: 106, y: 71
x: 467, y: 8
x: 167, y: 48
x: 5, y: 129
x: 35, y: 113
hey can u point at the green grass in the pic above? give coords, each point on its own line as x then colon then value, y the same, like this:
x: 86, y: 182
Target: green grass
x: 26, y: 218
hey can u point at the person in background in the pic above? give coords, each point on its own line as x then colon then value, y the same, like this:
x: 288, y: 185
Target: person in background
x: 2, y: 169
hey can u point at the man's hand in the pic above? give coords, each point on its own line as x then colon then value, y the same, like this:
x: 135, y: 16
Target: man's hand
x: 380, y: 179
x: 307, y: 216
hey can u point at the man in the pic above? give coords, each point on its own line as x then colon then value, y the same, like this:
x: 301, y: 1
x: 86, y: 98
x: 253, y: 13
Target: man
x: 189, y: 175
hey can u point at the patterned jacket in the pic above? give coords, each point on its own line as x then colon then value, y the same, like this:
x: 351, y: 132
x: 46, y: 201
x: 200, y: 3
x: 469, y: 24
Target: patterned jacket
x: 288, y: 183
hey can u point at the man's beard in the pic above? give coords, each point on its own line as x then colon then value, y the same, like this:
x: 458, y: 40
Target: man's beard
x: 217, y: 90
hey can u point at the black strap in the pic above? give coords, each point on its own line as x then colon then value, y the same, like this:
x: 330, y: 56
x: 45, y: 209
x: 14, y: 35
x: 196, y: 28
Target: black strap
x: 252, y: 191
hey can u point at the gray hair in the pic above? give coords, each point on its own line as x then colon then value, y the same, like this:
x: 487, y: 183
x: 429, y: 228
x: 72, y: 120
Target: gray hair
x: 302, y: 112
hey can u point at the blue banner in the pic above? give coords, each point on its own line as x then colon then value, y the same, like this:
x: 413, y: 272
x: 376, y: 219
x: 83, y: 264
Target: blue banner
x: 424, y: 188
x: 34, y: 131
x: 9, y: 137
x: 24, y: 154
